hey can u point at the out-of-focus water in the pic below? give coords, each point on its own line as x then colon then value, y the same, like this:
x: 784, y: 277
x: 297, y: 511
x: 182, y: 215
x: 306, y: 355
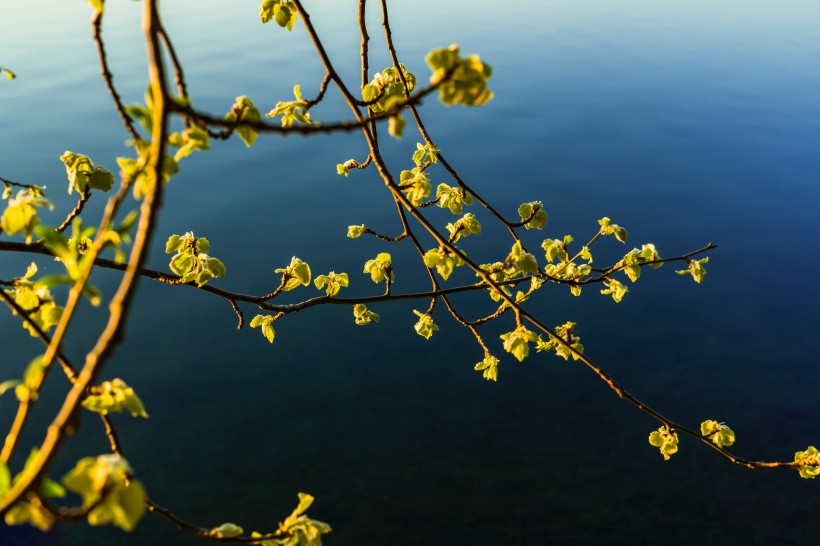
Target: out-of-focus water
x: 685, y: 121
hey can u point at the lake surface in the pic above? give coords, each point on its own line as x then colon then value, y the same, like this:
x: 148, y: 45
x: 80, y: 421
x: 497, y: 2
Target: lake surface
x: 686, y: 122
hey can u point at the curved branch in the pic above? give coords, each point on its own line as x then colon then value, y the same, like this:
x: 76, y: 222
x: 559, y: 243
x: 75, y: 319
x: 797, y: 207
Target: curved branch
x: 111, y: 336
x: 96, y: 28
x: 78, y: 208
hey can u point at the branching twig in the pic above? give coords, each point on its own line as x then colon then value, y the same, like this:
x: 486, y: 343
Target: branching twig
x: 119, y: 306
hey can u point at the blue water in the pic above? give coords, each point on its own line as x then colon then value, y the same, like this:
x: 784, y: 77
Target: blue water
x: 686, y: 122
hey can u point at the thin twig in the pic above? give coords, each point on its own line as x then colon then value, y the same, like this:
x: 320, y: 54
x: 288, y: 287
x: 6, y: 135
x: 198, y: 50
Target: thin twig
x: 78, y: 208
x: 108, y: 78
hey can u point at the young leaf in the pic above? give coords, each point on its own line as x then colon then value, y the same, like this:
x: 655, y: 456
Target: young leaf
x: 489, y: 367
x: 425, y: 325
x: 666, y: 441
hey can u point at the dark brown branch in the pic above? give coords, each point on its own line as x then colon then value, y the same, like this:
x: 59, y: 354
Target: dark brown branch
x: 605, y: 273
x: 19, y: 184
x: 260, y: 301
x: 78, y: 208
x: 265, y: 127
x: 179, y: 74
x: 385, y: 238
x: 365, y: 39
x: 321, y: 95
x: 205, y: 532
x: 525, y: 221
x: 423, y: 130
x: 96, y: 27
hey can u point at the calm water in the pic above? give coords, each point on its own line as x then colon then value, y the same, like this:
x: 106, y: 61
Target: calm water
x: 686, y: 122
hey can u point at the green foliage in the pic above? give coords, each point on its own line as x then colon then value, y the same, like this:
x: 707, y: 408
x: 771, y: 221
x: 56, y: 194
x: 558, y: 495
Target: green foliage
x: 69, y: 253
x: 83, y: 175
x: 354, y: 232
x: 557, y: 249
x: 20, y: 214
x: 363, y: 315
x: 634, y: 259
x: 608, y: 228
x: 282, y: 11
x: 517, y: 342
x: 191, y: 139
x: 8, y: 384
x: 344, y: 168
x: 532, y: 215
x: 467, y: 83
x: 134, y: 170
x: 425, y: 325
x: 386, y: 92
x: 298, y: 529
x: 114, y: 396
x: 294, y: 274
x: 226, y: 530
x: 30, y: 511
x: 416, y: 185
x: 380, y: 268
x: 519, y: 262
x: 265, y: 321
x: 566, y: 332
x: 614, y: 288
x: 452, y: 198
x: 292, y: 111
x: 35, y: 298
x: 489, y: 367
x: 718, y: 433
x: 190, y: 259
x: 72, y: 252
x: 695, y: 269
x: 32, y: 377
x: 808, y: 462
x: 396, y: 125
x: 109, y: 490
x: 333, y: 281
x: 244, y: 110
x: 463, y: 227
x: 666, y: 440
x: 444, y: 261
x: 425, y: 154
x: 34, y: 514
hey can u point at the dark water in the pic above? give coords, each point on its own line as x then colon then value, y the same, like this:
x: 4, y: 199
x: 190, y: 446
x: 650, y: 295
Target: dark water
x: 686, y: 122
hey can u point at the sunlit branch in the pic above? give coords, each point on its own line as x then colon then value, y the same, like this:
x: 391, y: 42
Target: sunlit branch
x: 520, y: 312
x: 111, y: 336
